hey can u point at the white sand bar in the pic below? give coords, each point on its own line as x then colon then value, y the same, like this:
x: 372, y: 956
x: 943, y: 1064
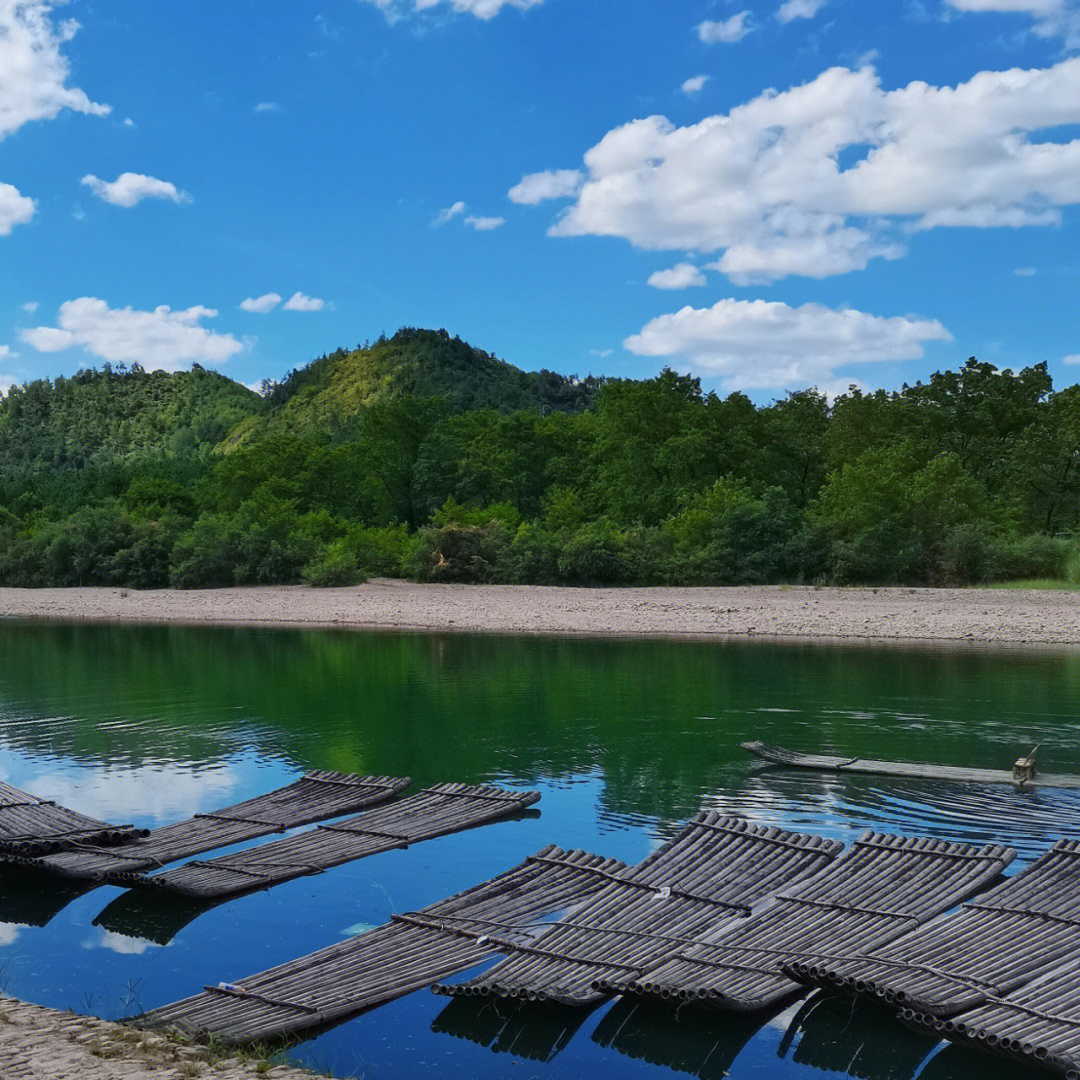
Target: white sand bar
x: 1004, y: 616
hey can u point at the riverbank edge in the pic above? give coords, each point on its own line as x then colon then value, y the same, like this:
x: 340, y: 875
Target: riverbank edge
x: 902, y: 616
x: 37, y: 1043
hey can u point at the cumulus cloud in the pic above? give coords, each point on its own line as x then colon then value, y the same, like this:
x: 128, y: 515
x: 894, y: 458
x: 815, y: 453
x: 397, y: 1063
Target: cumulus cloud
x: 1073, y: 358
x: 33, y: 72
x: 299, y: 302
x: 552, y: 184
x: 680, y: 276
x: 728, y: 31
x: 821, y: 178
x: 9, y: 932
x: 482, y: 9
x: 758, y: 344
x: 448, y: 213
x: 798, y: 9
x: 261, y: 304
x: 15, y: 208
x: 485, y: 224
x: 1053, y: 18
x: 130, y: 188
x: 694, y: 85
x: 30, y: 307
x: 160, y: 339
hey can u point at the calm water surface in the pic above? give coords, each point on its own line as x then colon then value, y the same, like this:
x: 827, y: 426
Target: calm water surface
x: 625, y: 739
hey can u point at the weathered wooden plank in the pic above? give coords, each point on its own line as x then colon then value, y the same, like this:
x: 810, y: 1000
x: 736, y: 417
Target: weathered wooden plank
x: 777, y: 755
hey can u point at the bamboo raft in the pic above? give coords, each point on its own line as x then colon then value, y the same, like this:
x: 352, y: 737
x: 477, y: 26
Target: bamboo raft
x: 880, y: 888
x: 409, y: 952
x: 1038, y: 1024
x: 435, y: 811
x: 316, y: 796
x: 995, y: 943
x: 30, y: 826
x: 1022, y: 776
x: 713, y: 872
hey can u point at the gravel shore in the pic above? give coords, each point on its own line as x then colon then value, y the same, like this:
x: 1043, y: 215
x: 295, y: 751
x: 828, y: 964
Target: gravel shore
x: 42, y: 1044
x: 1001, y: 616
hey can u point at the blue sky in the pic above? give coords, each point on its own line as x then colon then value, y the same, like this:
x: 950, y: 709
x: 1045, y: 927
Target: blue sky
x: 771, y: 195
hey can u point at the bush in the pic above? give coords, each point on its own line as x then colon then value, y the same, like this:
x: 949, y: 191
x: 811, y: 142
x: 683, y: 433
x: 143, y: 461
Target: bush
x: 335, y: 565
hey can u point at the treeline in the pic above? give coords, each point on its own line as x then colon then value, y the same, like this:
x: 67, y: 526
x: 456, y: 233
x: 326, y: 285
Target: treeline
x: 419, y: 456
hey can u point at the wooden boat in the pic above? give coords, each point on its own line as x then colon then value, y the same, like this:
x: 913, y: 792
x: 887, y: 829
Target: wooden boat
x: 1023, y: 775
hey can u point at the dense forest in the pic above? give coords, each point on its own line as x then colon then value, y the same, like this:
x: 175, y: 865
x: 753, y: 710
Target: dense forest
x: 421, y: 456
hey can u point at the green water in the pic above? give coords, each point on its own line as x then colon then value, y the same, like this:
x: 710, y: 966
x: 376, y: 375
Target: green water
x: 625, y: 740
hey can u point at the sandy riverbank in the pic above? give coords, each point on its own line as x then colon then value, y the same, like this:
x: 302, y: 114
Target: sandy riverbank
x: 931, y: 615
x: 43, y: 1044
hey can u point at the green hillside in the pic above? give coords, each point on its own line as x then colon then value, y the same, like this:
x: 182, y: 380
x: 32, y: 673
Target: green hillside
x: 423, y: 456
x: 97, y: 419
x: 331, y: 391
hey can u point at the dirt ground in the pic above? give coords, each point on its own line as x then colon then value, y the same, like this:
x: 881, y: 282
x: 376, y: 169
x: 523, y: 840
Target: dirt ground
x: 43, y: 1044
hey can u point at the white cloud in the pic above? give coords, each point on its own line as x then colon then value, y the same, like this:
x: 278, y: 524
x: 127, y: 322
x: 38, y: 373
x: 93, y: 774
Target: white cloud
x: 140, y: 794
x: 1073, y: 358
x: 267, y: 107
x: 769, y: 183
x: 729, y: 31
x: 448, y: 213
x: 30, y: 307
x: 159, y: 339
x: 15, y: 209
x: 1025, y: 271
x: 680, y: 276
x: 601, y: 352
x: 1053, y: 18
x: 130, y: 188
x: 5, y: 350
x: 485, y: 224
x: 33, y: 73
x: 299, y: 302
x: 9, y: 932
x: 694, y: 85
x: 482, y: 9
x: 261, y: 304
x: 798, y: 9
x: 757, y: 344
x: 552, y: 184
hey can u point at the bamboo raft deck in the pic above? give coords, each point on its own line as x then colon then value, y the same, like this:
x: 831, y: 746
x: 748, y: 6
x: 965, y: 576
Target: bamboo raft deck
x: 434, y: 811
x: 995, y: 943
x: 411, y: 951
x: 30, y: 826
x: 316, y: 796
x: 777, y: 755
x: 1038, y: 1024
x: 714, y: 871
x: 881, y: 887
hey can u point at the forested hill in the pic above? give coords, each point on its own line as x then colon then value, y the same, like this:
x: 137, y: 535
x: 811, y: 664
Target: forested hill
x: 331, y: 391
x: 422, y: 456
x: 97, y: 419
